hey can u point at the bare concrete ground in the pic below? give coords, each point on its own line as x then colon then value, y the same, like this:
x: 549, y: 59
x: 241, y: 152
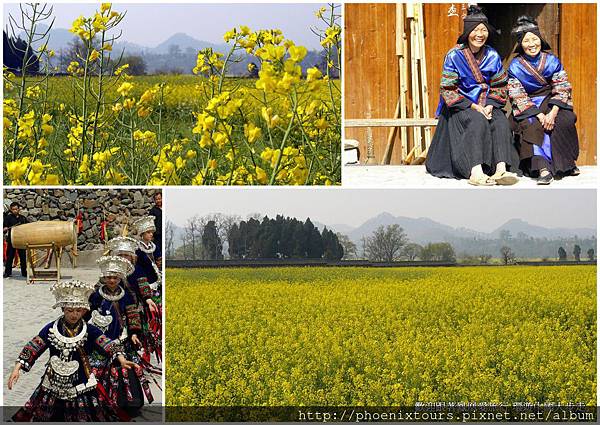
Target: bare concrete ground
x: 415, y: 176
x: 27, y: 309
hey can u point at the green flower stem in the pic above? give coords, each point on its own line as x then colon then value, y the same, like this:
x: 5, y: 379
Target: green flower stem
x: 285, y: 136
x: 100, y: 96
x: 24, y: 66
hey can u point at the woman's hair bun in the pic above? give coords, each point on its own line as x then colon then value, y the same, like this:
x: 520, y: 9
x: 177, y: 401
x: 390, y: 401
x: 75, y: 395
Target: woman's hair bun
x: 474, y: 10
x: 523, y: 24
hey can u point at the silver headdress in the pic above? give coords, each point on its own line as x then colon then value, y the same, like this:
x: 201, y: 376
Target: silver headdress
x: 122, y: 244
x: 144, y: 224
x: 72, y: 293
x: 112, y: 265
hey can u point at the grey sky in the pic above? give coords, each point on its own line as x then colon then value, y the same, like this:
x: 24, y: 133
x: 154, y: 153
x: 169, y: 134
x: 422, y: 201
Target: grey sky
x: 150, y: 24
x: 479, y: 210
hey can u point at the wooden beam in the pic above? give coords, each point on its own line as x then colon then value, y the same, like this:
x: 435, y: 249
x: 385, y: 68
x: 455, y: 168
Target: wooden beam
x: 391, y: 122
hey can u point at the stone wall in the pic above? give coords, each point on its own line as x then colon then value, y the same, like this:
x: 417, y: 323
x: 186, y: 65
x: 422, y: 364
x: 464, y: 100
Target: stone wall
x: 119, y: 207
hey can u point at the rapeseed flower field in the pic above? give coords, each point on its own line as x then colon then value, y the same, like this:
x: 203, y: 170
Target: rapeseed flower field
x: 380, y: 337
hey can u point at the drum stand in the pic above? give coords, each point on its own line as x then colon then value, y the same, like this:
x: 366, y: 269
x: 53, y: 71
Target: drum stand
x: 39, y: 258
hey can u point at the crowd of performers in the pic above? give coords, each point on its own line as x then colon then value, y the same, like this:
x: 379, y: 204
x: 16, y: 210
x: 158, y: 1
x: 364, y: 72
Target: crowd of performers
x: 474, y: 139
x: 105, y: 345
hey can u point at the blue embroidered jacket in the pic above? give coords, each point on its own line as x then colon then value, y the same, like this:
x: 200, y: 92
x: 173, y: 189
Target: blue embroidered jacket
x: 467, y: 80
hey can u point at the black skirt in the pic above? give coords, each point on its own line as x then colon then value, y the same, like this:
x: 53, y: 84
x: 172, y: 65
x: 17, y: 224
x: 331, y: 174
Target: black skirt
x: 44, y: 406
x: 564, y: 142
x: 465, y: 138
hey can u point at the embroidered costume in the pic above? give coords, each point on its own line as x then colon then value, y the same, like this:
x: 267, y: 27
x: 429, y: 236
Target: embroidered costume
x: 68, y: 390
x: 144, y: 283
x: 465, y: 138
x: 117, y: 315
x: 535, y: 85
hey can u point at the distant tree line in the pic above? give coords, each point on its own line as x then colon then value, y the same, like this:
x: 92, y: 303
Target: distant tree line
x: 390, y: 243
x: 216, y: 236
x: 219, y: 236
x: 523, y: 246
x: 282, y: 237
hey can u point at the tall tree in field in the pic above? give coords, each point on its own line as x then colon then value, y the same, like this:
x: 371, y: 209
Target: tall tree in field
x: 211, y: 242
x: 386, y: 243
x: 169, y: 238
x: 332, y: 248
x: 266, y: 243
x: 507, y: 255
x: 591, y: 254
x: 234, y: 242
x: 349, y: 247
x: 315, y: 243
x: 577, y: 252
x: 286, y: 243
x: 192, y: 232
x: 562, y: 254
x: 249, y: 238
x: 300, y: 241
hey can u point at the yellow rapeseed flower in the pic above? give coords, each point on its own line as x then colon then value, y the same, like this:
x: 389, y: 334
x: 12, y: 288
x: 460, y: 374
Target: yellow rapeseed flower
x: 297, y: 53
x: 261, y: 175
x: 125, y: 88
x: 129, y: 104
x: 94, y: 55
x: 252, y: 132
x: 313, y: 74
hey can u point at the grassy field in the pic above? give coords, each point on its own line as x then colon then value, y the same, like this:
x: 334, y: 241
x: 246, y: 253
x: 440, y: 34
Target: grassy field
x: 380, y: 337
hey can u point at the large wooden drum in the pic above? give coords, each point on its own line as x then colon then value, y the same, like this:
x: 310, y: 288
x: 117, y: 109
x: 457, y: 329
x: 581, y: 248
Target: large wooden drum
x: 61, y: 233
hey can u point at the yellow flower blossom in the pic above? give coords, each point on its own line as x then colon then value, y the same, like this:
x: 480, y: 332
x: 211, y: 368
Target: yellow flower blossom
x: 17, y: 169
x: 229, y: 35
x: 52, y: 180
x: 261, y: 175
x: 244, y: 30
x: 321, y: 124
x: 73, y: 67
x: 121, y: 69
x: 297, y: 53
x: 94, y: 55
x: 252, y: 132
x: 198, y: 179
x: 219, y: 138
x: 124, y: 89
x: 313, y: 74
x: 129, y: 104
x: 206, y: 140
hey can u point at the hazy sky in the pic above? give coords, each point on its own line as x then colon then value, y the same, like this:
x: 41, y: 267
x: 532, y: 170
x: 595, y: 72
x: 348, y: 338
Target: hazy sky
x: 479, y: 210
x: 150, y: 24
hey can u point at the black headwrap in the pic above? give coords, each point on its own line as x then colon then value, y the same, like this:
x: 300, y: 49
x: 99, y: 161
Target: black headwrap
x: 475, y: 16
x: 524, y: 25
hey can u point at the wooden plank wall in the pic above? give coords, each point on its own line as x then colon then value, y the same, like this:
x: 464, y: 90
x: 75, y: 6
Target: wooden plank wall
x: 578, y: 55
x: 371, y: 67
x: 441, y: 32
x: 370, y: 70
